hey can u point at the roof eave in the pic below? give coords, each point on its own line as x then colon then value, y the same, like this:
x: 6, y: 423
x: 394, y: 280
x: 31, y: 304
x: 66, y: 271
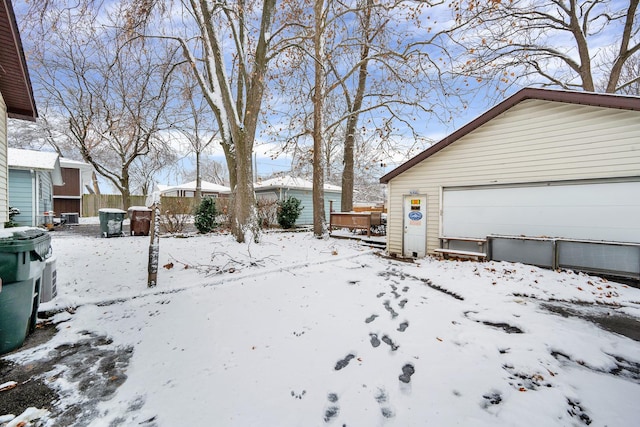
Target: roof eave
x: 21, y: 103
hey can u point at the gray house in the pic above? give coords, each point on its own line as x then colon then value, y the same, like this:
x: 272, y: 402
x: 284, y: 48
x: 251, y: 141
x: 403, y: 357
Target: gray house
x: 32, y: 175
x: 284, y: 187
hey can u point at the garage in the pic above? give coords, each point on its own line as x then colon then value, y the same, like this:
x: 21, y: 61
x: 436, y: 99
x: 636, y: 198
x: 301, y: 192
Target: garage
x: 546, y: 177
x: 594, y: 210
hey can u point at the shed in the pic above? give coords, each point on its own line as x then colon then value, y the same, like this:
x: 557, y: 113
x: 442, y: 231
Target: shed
x: 32, y: 175
x: 188, y: 189
x: 543, y: 163
x: 283, y: 187
x: 67, y: 198
x: 16, y: 94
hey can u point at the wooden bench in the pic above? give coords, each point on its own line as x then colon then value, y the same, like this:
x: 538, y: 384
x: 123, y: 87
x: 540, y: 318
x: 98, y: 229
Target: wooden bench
x: 458, y: 253
x: 445, y: 250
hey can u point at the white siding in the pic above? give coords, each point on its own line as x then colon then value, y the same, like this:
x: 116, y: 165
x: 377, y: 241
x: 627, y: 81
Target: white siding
x: 4, y: 174
x: 534, y: 141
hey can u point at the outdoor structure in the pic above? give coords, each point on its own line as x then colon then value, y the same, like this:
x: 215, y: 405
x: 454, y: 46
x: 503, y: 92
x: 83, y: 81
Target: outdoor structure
x: 189, y: 190
x: 67, y: 198
x: 546, y: 177
x: 287, y: 186
x: 32, y: 175
x: 16, y: 94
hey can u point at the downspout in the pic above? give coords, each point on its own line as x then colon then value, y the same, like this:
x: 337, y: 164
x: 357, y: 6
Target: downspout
x: 34, y: 197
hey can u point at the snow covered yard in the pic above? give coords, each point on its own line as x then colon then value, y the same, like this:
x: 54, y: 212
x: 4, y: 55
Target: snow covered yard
x: 297, y: 331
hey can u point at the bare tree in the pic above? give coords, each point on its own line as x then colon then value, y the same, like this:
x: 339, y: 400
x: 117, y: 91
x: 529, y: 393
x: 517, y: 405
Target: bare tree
x: 144, y: 169
x: 380, y: 77
x: 629, y: 73
x: 210, y: 170
x: 229, y: 54
x: 560, y: 43
x: 194, y: 122
x: 319, y: 88
x: 112, y: 90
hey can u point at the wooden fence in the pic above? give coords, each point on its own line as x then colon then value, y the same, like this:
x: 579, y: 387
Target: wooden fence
x: 91, y: 203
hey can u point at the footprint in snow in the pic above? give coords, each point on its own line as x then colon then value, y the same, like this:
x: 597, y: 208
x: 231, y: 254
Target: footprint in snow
x: 403, y: 326
x: 375, y: 342
x: 387, y: 306
x: 383, y: 399
x: 390, y: 343
x: 333, y: 409
x: 407, y: 371
x: 370, y: 318
x: 342, y: 363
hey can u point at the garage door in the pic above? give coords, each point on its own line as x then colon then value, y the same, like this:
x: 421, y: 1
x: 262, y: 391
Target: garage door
x: 583, y: 210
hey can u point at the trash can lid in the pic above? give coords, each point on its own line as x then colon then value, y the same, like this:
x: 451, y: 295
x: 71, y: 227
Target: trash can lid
x: 20, y: 233
x: 111, y: 210
x: 139, y: 208
x: 25, y: 239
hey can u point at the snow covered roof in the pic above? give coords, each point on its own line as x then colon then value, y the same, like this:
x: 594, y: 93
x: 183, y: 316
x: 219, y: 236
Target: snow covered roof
x: 85, y: 168
x: 37, y: 160
x: 75, y: 164
x: 288, y: 181
x: 191, y: 186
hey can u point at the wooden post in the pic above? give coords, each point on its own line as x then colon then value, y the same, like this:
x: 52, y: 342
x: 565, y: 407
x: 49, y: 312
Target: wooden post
x: 154, y: 245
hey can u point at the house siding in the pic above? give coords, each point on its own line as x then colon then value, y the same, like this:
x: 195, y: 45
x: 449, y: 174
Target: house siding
x: 534, y: 141
x: 21, y: 195
x: 4, y: 173
x: 306, y: 201
x: 45, y: 198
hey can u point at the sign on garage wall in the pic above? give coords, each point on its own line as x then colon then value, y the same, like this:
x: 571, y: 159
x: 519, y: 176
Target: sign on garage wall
x: 602, y: 210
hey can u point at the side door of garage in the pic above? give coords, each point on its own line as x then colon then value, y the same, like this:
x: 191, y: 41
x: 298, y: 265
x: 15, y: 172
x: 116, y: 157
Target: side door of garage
x: 415, y: 226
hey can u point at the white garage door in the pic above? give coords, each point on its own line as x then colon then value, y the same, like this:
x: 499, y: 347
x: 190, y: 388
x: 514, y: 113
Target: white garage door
x: 594, y: 211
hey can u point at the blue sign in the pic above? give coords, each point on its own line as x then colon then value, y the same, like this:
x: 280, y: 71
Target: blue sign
x: 415, y: 216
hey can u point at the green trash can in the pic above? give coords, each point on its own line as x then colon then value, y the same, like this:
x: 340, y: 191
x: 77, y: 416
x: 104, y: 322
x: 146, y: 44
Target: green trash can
x: 23, y: 254
x: 111, y: 222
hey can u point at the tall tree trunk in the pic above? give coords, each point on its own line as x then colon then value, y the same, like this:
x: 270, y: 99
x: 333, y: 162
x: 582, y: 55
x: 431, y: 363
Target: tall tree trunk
x: 95, y: 183
x: 198, y: 195
x: 245, y: 218
x: 624, y: 53
x: 319, y: 220
x: 352, y: 122
x: 232, y: 168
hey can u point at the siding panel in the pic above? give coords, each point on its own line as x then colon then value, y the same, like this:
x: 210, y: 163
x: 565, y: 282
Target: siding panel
x: 534, y: 141
x: 20, y: 195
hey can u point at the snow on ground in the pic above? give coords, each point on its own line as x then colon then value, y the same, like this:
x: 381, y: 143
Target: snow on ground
x: 298, y: 331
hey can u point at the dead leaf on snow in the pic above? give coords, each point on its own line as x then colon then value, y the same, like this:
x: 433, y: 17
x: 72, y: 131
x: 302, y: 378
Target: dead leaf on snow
x: 8, y: 385
x: 168, y: 266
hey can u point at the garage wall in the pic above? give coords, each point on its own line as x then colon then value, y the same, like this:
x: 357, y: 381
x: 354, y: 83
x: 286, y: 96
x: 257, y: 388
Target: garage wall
x: 534, y: 141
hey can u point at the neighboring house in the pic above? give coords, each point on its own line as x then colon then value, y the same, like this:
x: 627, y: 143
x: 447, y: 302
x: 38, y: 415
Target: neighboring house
x: 32, y: 175
x: 16, y: 94
x: 286, y: 186
x: 543, y: 163
x: 189, y: 190
x: 67, y: 198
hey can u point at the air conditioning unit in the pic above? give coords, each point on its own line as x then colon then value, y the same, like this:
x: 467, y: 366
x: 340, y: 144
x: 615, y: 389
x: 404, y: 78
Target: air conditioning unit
x: 48, y: 289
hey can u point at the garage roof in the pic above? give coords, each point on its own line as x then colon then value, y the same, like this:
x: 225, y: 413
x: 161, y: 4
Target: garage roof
x: 571, y: 97
x: 15, y: 84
